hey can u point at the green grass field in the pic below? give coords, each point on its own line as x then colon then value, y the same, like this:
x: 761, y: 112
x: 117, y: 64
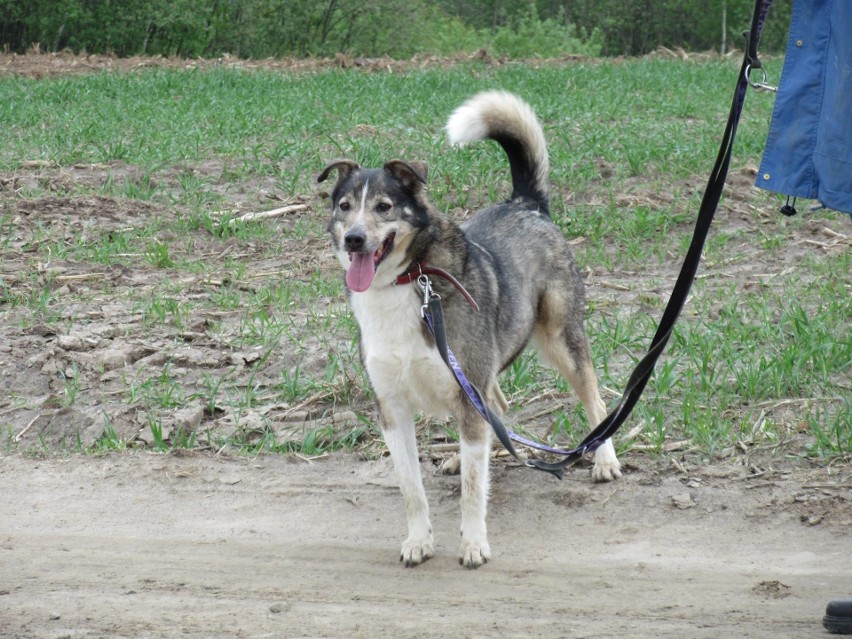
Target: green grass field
x: 761, y: 357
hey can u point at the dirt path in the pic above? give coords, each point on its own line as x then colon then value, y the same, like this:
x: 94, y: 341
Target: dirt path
x: 145, y: 545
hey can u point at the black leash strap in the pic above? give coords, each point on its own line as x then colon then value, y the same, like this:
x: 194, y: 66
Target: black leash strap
x: 710, y: 201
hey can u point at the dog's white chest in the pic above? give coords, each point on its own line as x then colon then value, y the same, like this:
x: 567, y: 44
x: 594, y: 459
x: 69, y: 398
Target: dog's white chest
x: 401, y: 365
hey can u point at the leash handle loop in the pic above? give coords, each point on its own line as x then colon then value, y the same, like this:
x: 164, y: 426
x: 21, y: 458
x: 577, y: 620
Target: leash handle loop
x: 752, y: 40
x: 761, y: 84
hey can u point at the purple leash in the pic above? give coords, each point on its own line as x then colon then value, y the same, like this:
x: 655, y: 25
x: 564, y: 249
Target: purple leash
x: 433, y: 315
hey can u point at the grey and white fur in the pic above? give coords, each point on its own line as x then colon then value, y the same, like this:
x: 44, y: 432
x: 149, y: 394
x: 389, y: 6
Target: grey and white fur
x: 516, y: 264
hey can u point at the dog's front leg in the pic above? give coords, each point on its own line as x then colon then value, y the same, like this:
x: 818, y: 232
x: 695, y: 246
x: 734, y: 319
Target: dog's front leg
x: 401, y: 440
x: 475, y: 449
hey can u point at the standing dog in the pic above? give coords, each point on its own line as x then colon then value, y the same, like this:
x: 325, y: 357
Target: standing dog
x: 515, y: 263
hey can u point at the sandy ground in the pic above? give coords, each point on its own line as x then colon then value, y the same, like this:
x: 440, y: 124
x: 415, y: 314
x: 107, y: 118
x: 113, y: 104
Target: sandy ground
x: 150, y: 545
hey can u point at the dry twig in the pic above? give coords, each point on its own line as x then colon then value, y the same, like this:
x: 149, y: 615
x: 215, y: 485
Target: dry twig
x: 265, y: 215
x: 27, y: 427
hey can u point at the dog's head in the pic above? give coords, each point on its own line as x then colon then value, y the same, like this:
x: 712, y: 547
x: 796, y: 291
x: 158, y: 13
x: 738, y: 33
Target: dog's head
x: 376, y: 217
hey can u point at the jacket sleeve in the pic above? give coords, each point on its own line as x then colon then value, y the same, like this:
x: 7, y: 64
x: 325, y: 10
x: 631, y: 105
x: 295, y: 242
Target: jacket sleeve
x: 808, y: 150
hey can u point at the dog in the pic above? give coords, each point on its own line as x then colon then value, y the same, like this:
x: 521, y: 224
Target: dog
x: 515, y: 263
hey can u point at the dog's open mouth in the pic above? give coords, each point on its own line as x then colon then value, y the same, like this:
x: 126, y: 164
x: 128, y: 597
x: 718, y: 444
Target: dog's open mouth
x: 362, y: 270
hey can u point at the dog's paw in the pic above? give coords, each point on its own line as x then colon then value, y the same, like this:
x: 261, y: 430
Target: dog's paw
x: 416, y: 550
x: 473, y: 554
x: 606, y: 470
x: 451, y: 465
x: 607, y: 467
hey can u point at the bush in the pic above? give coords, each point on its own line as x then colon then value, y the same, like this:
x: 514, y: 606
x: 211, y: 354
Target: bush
x: 420, y: 27
x: 397, y: 28
x: 531, y: 36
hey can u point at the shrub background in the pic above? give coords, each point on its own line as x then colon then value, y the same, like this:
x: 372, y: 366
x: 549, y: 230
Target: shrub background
x: 396, y: 28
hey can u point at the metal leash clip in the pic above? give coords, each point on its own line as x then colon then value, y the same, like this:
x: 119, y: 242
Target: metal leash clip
x: 428, y: 294
x: 759, y: 86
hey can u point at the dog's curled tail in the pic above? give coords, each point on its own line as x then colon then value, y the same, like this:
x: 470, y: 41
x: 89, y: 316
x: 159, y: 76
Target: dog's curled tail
x: 511, y: 122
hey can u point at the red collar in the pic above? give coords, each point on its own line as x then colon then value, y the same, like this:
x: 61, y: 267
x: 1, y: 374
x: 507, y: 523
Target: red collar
x: 413, y: 273
x: 420, y: 268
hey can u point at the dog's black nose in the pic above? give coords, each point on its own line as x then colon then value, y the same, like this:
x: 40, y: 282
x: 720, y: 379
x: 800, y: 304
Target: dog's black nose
x: 354, y: 240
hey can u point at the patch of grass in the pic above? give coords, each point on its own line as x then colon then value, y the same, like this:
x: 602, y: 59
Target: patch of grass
x: 294, y: 385
x: 72, y: 386
x: 108, y: 248
x: 109, y: 441
x: 160, y: 309
x: 305, y: 441
x: 157, y: 253
x: 832, y: 435
x: 159, y: 440
x: 210, y: 392
x: 40, y: 300
x: 183, y: 438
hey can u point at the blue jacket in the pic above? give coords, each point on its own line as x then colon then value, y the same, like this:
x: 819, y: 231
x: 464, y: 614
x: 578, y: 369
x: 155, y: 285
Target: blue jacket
x: 809, y: 147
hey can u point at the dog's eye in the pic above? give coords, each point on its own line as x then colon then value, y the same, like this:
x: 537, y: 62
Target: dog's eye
x: 344, y: 206
x: 383, y: 207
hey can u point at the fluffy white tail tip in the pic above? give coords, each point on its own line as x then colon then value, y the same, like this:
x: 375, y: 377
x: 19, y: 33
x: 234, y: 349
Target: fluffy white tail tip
x: 480, y: 115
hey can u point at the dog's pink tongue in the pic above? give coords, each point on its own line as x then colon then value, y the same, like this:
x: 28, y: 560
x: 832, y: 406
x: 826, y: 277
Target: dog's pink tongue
x: 360, y: 274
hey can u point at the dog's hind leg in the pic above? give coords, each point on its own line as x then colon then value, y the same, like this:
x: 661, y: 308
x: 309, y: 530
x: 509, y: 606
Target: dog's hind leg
x: 577, y: 368
x: 400, y: 438
x: 497, y: 400
x: 566, y: 348
x: 475, y: 435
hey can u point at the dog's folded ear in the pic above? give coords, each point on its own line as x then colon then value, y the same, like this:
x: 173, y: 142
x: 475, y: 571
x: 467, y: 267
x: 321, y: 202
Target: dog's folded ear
x: 412, y: 175
x: 343, y: 167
